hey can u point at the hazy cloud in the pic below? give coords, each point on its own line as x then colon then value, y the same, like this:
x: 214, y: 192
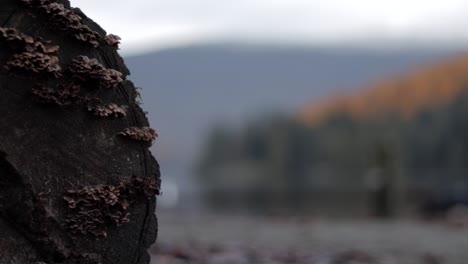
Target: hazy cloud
x: 165, y: 23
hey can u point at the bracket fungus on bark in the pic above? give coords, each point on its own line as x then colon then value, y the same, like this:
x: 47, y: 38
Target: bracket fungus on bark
x: 140, y: 133
x: 34, y: 62
x: 34, y: 54
x: 108, y: 110
x: 68, y: 21
x: 64, y: 19
x: 24, y: 42
x: 63, y: 95
x: 90, y: 71
x: 112, y: 40
x: 93, y: 209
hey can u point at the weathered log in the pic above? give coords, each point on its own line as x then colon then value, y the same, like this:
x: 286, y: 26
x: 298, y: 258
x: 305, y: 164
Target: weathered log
x: 75, y: 185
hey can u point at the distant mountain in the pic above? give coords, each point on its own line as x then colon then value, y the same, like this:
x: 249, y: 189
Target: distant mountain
x: 187, y: 90
x: 422, y: 89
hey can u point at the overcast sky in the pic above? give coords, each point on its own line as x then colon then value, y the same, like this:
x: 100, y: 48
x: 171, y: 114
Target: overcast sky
x: 157, y: 24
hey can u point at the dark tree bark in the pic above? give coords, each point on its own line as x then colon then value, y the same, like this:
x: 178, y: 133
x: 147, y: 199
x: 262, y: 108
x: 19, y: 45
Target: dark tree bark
x: 76, y: 184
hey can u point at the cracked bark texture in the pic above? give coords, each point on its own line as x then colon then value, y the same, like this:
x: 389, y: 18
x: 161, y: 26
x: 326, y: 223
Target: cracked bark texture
x: 46, y: 150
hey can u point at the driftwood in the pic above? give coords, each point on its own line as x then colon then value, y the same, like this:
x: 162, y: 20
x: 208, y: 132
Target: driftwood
x: 77, y: 181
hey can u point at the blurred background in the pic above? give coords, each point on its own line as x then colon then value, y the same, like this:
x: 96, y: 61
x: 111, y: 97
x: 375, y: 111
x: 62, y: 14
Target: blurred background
x: 297, y: 131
